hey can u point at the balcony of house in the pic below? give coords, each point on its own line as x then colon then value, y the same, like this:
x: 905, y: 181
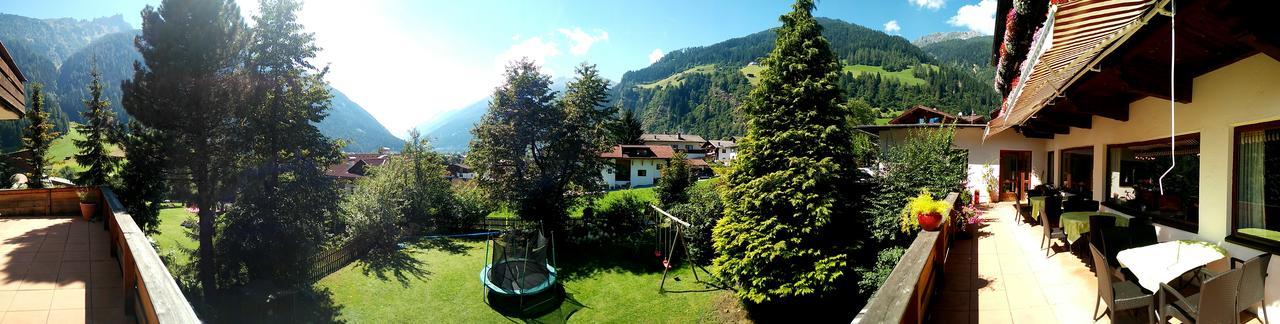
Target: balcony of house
x: 58, y: 267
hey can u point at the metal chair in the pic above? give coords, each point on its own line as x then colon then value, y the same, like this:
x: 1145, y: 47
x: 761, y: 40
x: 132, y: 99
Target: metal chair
x: 1050, y: 233
x: 1253, y: 276
x: 1119, y: 296
x: 1215, y: 303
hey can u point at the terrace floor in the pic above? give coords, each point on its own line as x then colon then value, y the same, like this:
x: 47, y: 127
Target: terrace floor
x: 58, y: 270
x: 1002, y: 276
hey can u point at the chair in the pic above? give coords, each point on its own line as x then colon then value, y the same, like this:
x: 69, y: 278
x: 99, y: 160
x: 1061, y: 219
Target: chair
x: 1080, y: 205
x: 1024, y: 212
x: 1253, y: 275
x: 1053, y: 210
x: 1215, y: 303
x: 1050, y: 233
x: 1118, y: 296
x: 1099, y: 224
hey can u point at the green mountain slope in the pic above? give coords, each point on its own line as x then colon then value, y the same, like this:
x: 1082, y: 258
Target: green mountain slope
x: 350, y: 122
x: 698, y: 90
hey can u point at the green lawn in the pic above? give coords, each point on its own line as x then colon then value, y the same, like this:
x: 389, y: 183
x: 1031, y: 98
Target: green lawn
x: 173, y: 239
x: 63, y: 150
x: 450, y: 291
x: 753, y: 73
x: 676, y: 79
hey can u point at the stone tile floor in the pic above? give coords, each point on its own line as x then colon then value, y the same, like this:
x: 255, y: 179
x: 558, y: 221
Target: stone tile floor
x: 58, y: 270
x: 1002, y: 276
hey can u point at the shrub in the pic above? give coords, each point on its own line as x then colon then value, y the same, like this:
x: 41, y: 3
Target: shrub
x: 620, y: 222
x: 470, y: 206
x: 874, y: 276
x: 673, y: 185
x: 702, y: 212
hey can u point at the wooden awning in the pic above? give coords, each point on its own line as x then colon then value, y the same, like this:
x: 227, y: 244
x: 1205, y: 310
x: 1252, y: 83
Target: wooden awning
x: 1076, y: 35
x: 12, y: 93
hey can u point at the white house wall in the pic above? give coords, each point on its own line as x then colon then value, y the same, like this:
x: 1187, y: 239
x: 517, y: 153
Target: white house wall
x: 650, y: 166
x: 982, y: 154
x: 1242, y: 93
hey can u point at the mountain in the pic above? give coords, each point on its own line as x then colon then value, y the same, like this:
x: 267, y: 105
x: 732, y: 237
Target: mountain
x: 971, y: 53
x: 451, y: 132
x: 59, y: 53
x: 698, y: 90
x: 944, y: 36
x: 350, y: 122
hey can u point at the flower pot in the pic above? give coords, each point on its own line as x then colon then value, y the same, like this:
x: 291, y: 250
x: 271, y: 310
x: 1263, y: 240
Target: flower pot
x: 87, y: 210
x: 929, y: 221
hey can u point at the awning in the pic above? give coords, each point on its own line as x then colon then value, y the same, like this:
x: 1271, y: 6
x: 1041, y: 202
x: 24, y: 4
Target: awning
x: 1075, y: 36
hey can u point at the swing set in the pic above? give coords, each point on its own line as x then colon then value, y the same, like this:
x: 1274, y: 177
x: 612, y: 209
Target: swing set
x: 669, y: 233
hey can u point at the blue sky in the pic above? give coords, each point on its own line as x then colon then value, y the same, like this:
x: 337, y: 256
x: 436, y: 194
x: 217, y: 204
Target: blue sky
x: 408, y: 61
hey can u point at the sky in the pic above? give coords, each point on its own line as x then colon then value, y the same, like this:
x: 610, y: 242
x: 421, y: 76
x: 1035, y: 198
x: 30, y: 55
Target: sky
x: 409, y: 61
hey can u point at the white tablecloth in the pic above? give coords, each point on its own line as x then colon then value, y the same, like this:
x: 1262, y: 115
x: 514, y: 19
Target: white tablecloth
x: 1163, y: 262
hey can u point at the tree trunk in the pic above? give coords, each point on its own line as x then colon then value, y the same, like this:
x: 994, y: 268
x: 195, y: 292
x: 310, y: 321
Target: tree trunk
x: 205, y: 201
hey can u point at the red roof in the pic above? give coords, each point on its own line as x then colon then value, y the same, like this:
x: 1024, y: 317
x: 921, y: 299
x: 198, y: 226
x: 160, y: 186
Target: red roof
x: 639, y: 152
x: 348, y: 168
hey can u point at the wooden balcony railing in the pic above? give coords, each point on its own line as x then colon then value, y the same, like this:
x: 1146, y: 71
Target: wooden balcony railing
x: 904, y: 296
x: 151, y: 294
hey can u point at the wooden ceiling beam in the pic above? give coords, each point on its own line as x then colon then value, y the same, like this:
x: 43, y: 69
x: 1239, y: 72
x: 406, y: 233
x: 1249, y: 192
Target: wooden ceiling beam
x: 1108, y: 107
x: 1067, y: 118
x: 1046, y: 125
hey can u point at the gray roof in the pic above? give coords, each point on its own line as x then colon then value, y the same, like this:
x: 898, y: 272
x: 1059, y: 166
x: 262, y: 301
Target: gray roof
x: 723, y: 144
x: 671, y: 138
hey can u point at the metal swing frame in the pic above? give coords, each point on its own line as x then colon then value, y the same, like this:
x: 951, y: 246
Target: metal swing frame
x: 661, y: 218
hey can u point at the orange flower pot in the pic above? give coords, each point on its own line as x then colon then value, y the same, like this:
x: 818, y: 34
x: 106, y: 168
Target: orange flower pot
x: 87, y: 210
x: 929, y: 221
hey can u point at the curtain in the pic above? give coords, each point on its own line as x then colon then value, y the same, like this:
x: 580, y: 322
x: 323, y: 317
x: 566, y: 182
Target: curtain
x: 1251, y: 180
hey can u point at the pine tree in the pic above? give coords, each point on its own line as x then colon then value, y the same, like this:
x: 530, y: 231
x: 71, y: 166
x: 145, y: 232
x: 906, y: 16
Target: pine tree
x: 187, y: 88
x: 627, y: 130
x: 37, y: 137
x: 284, y: 204
x: 143, y: 174
x: 98, y: 123
x: 788, y: 229
x: 532, y: 149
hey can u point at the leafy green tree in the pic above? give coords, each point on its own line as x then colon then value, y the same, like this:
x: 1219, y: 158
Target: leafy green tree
x: 37, y: 137
x: 99, y: 121
x: 376, y: 214
x: 187, y: 88
x: 627, y: 130
x: 143, y: 174
x: 791, y: 215
x: 431, y: 201
x: 285, y: 206
x: 673, y: 184
x: 531, y: 150
x: 924, y: 160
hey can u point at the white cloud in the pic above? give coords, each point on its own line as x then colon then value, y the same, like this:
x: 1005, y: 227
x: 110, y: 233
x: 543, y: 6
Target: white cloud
x: 582, y: 41
x: 980, y: 17
x: 929, y: 4
x: 655, y: 55
x: 892, y: 27
x: 533, y: 48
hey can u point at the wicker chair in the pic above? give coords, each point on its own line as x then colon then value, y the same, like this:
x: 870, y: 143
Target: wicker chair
x: 1050, y: 233
x: 1215, y: 303
x: 1253, y: 275
x: 1118, y: 296
x: 1098, y: 226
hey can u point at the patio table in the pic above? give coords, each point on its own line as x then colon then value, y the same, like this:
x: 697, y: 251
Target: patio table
x: 1163, y: 262
x: 1263, y: 233
x: 1037, y: 205
x: 1077, y: 223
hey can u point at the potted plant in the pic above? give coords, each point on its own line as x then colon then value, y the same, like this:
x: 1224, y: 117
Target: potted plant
x: 993, y: 182
x: 968, y: 221
x: 88, y: 205
x: 924, y: 211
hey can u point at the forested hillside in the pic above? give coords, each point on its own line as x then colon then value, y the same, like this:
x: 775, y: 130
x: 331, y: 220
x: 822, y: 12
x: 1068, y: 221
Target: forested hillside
x: 60, y: 53
x: 887, y: 72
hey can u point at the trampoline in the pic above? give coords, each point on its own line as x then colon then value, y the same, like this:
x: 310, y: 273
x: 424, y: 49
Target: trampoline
x: 518, y: 265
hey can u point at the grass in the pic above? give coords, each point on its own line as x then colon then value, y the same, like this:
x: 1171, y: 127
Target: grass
x: 173, y: 240
x: 678, y: 78
x: 450, y: 291
x: 63, y: 150
x: 905, y: 76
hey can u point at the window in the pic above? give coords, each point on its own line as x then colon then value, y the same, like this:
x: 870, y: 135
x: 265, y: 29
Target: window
x: 688, y: 147
x: 1133, y: 180
x: 1257, y: 180
x: 642, y: 172
x: 1076, y: 171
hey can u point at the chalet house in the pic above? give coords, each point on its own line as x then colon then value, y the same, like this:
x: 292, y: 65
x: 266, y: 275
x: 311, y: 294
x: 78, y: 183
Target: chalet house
x: 460, y: 172
x: 985, y: 156
x: 1178, y: 125
x: 354, y: 167
x: 638, y: 166
x: 12, y: 94
x: 722, y: 152
x: 691, y: 145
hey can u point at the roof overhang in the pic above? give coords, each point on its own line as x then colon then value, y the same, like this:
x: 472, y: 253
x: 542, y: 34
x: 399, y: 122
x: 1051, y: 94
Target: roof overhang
x: 876, y: 129
x: 1075, y: 37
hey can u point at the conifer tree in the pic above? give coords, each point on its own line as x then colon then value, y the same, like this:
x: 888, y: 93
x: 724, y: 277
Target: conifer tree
x: 98, y: 123
x: 789, y: 214
x: 143, y: 174
x: 187, y: 88
x: 284, y: 204
x: 37, y: 137
x: 628, y: 130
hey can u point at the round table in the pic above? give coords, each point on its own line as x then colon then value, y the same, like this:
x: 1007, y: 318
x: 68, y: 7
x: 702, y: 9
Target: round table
x: 1164, y: 262
x: 1037, y: 205
x: 1077, y: 223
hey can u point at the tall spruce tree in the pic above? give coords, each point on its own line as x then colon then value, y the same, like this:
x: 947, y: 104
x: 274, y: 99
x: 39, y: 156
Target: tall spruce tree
x: 143, y: 174
x: 284, y: 204
x: 534, y: 149
x: 99, y: 121
x: 790, y: 205
x: 37, y: 137
x: 186, y: 87
x: 627, y: 130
